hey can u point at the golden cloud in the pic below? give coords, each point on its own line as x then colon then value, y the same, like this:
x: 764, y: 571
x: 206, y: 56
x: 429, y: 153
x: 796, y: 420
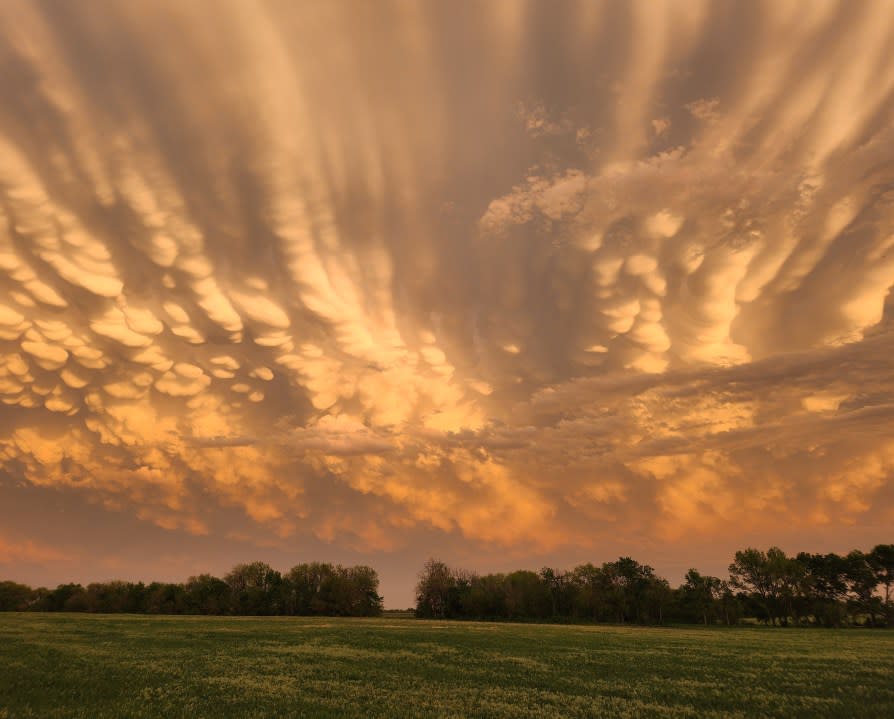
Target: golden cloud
x: 355, y: 272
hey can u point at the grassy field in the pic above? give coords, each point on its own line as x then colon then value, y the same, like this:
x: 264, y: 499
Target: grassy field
x: 135, y: 666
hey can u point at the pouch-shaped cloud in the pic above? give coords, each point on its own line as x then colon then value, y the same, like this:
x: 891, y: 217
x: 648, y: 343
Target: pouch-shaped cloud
x: 358, y: 275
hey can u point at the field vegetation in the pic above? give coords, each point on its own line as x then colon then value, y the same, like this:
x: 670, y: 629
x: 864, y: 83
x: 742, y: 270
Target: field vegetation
x: 96, y: 666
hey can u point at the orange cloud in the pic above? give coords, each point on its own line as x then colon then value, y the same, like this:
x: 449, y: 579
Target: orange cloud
x: 27, y: 551
x: 293, y: 264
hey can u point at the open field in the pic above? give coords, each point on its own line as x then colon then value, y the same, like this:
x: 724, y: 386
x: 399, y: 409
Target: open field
x: 137, y: 666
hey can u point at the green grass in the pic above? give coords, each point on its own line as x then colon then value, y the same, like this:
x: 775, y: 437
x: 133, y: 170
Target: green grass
x: 135, y: 666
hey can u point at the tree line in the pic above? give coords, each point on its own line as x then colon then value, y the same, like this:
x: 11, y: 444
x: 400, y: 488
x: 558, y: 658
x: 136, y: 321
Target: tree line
x: 247, y: 589
x: 806, y: 589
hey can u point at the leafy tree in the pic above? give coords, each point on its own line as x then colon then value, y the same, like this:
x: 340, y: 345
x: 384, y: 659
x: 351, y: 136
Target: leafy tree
x: 657, y: 596
x: 590, y: 589
x: 730, y: 606
x: 64, y: 598
x: 702, y: 594
x: 254, y: 588
x: 771, y: 577
x: 323, y: 589
x: 485, y: 598
x: 433, y: 589
x: 162, y: 598
x: 459, y: 595
x: 14, y: 597
x: 825, y: 587
x: 312, y: 588
x: 881, y: 559
x: 862, y: 581
x: 628, y: 585
x: 206, y: 594
x: 559, y: 586
x: 789, y: 575
x: 365, y: 598
x: 115, y: 597
x: 526, y: 595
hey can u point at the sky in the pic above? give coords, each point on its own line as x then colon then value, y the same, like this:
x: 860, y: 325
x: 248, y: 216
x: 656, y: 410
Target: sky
x: 509, y: 284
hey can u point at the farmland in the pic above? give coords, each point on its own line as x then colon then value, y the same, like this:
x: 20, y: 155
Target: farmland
x: 95, y: 666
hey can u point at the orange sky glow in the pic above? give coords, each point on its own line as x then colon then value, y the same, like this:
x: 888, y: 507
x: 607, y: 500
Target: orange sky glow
x: 507, y: 283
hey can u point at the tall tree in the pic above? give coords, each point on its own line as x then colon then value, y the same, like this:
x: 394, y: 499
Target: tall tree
x: 433, y: 589
x: 206, y: 594
x: 702, y: 594
x: 825, y: 587
x: 589, y: 591
x: 862, y: 581
x: 558, y: 585
x: 14, y: 597
x: 751, y: 572
x: 881, y: 559
x: 254, y: 588
x: 364, y: 592
x: 526, y: 595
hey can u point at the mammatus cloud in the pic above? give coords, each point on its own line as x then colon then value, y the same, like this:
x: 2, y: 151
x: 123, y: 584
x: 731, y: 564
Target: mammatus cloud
x: 582, y: 272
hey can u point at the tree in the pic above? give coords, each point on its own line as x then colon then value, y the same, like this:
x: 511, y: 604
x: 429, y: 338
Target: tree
x: 526, y: 595
x: 433, y: 589
x: 758, y: 573
x: 657, y: 595
x: 165, y: 598
x: 115, y: 597
x: 628, y: 584
x: 788, y: 574
x: 825, y: 587
x: 881, y: 559
x: 312, y: 588
x: 702, y: 594
x: 861, y: 582
x: 14, y: 597
x: 587, y: 580
x: 61, y: 598
x: 559, y: 587
x: 206, y: 594
x: 730, y: 606
x: 365, y: 599
x: 459, y: 594
x: 253, y: 587
x: 485, y: 598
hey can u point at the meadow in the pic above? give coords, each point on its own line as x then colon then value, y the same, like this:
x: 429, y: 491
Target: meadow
x: 95, y: 666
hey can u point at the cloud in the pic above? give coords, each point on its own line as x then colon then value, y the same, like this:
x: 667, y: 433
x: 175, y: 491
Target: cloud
x: 28, y: 552
x: 363, y: 277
